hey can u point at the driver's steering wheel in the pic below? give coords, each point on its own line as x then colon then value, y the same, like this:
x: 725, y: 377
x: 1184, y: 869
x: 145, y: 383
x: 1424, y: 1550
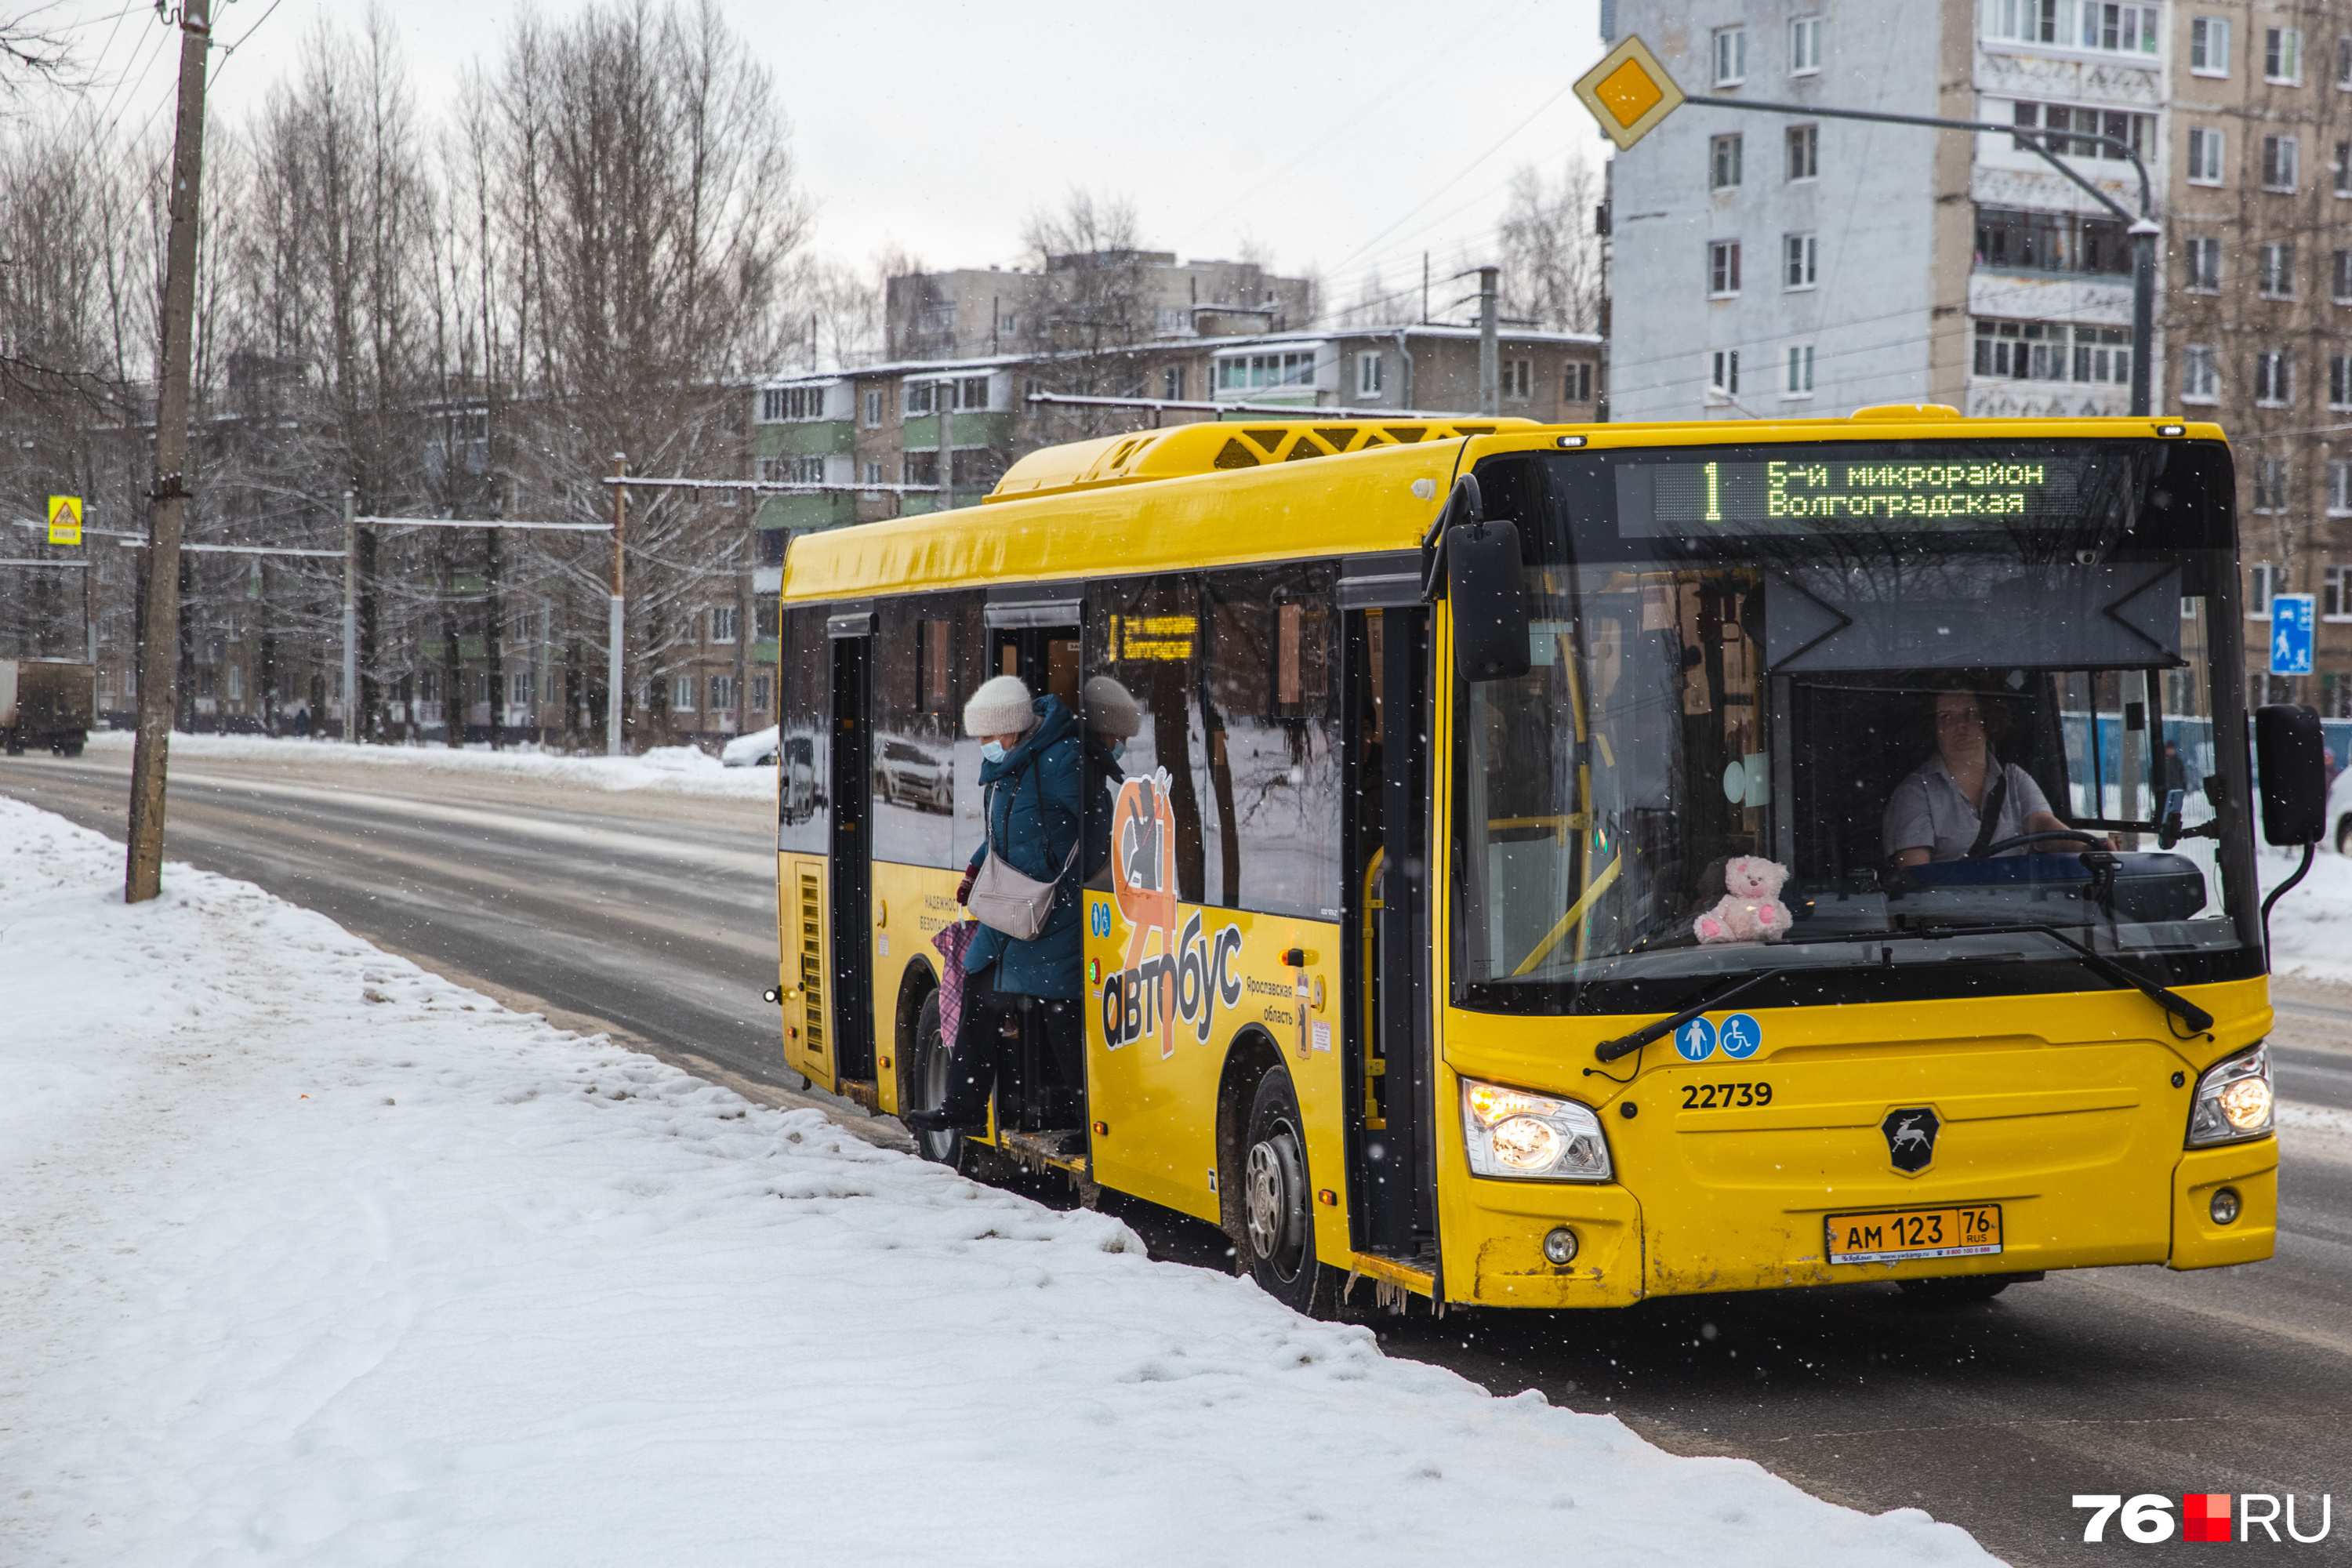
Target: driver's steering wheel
x: 2076, y: 833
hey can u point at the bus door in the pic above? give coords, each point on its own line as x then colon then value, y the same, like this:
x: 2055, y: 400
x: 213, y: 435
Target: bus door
x: 1034, y: 633
x: 851, y: 639
x: 1391, y: 1169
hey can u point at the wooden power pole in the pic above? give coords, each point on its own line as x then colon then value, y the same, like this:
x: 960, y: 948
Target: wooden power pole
x: 159, y: 628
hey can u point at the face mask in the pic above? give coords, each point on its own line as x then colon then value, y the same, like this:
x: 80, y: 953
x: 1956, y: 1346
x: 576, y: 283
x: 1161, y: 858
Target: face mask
x: 993, y: 752
x: 1117, y: 750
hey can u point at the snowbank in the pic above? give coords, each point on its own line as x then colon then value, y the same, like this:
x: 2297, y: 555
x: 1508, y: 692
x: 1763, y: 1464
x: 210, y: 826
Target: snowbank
x: 308, y: 1255
x: 678, y: 770
x: 2311, y: 928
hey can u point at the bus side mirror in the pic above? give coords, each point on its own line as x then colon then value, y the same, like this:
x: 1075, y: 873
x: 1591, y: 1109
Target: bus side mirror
x: 1475, y: 564
x: 2292, y: 753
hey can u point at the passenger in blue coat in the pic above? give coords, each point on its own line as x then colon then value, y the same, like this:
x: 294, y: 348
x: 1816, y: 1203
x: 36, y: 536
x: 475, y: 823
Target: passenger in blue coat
x: 1029, y: 777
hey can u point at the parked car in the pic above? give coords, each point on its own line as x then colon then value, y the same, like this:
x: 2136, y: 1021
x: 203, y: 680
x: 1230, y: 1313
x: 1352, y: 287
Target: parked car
x: 2339, y: 811
x: 46, y: 704
x: 756, y: 750
x: 905, y: 772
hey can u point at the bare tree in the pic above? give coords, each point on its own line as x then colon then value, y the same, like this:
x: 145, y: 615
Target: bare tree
x: 32, y: 47
x: 1551, y: 256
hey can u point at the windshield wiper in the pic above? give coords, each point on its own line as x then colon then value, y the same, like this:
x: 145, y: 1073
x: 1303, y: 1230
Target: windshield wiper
x: 2099, y: 963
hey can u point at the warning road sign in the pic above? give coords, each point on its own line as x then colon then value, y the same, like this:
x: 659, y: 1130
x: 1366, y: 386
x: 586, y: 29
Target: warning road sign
x: 65, y: 519
x: 1628, y: 92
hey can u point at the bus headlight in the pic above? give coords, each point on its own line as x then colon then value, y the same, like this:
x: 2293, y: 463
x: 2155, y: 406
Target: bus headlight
x: 2234, y: 1099
x: 1513, y: 1134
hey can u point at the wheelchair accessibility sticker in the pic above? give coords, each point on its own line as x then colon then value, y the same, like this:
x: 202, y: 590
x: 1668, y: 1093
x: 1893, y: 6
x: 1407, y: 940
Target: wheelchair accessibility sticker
x: 1695, y: 1040
x: 1741, y: 1037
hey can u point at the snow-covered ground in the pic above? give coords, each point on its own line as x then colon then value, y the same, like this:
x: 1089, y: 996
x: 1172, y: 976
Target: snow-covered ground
x: 2311, y: 928
x: 680, y: 770
x: 306, y: 1256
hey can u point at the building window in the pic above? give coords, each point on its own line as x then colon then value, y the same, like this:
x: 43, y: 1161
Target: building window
x: 2340, y: 277
x: 1519, y: 379
x: 915, y: 397
x: 2275, y: 271
x: 971, y: 393
x: 2273, y: 378
x: 1800, y: 252
x: 723, y: 693
x: 1577, y: 386
x: 1368, y: 376
x: 2022, y: 21
x: 2135, y: 130
x: 681, y: 694
x: 2051, y: 242
x: 874, y: 474
x: 2339, y: 381
x: 1804, y: 143
x: 2283, y: 56
x: 2344, y: 64
x: 2200, y: 379
x: 1730, y: 56
x: 1722, y: 268
x: 2262, y: 582
x: 2204, y: 157
x: 874, y: 410
x: 1723, y: 372
x: 518, y: 690
x: 2204, y: 264
x: 2052, y: 351
x: 1801, y: 370
x: 2103, y: 354
x: 2279, y: 162
x: 1172, y: 382
x: 2344, y: 168
x: 1245, y: 372
x: 2336, y: 586
x: 759, y: 694
x: 1804, y: 45
x: 2270, y: 485
x: 2209, y: 46
x: 1723, y: 161
x: 783, y: 405
x: 726, y: 622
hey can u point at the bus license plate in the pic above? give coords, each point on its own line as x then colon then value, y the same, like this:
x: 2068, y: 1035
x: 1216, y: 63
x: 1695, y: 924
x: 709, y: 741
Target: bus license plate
x: 1901, y: 1236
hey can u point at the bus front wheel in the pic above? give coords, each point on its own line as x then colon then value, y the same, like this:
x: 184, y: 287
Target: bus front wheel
x: 1278, y: 1202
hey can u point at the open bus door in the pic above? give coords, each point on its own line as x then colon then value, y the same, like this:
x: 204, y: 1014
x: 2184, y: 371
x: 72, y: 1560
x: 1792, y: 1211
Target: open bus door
x: 851, y: 643
x: 1391, y: 1170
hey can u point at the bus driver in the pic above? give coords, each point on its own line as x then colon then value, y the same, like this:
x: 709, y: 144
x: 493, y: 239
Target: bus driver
x: 1941, y: 812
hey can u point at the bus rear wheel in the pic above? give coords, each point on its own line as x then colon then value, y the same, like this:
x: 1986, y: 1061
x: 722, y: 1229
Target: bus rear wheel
x: 1278, y: 1203
x: 929, y: 1081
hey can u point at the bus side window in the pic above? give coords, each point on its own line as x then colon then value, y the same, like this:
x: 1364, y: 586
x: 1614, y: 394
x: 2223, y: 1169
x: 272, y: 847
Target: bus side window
x: 1272, y: 725
x: 1144, y: 633
x: 916, y: 782
x: 803, y: 757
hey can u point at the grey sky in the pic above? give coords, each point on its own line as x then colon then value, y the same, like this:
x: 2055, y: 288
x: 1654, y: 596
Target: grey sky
x: 1344, y: 137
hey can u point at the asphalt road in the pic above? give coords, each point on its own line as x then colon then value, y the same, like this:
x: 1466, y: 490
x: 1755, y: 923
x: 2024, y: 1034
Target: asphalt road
x: 653, y: 917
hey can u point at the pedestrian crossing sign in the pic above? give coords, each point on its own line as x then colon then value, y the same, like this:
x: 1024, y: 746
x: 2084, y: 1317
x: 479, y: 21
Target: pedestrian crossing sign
x: 1628, y: 92
x: 2291, y: 617
x: 65, y: 519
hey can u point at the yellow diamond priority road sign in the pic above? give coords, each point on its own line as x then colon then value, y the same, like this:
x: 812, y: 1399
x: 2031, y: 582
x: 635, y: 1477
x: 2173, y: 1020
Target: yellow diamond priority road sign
x: 1628, y: 92
x: 65, y: 519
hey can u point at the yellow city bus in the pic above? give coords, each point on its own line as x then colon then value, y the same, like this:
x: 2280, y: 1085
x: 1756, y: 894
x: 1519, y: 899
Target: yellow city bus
x: 1454, y: 734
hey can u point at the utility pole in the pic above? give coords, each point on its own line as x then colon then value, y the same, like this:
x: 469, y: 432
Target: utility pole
x: 1490, y: 368
x: 612, y: 631
x: 943, y: 395
x: 350, y: 618
x: 158, y: 630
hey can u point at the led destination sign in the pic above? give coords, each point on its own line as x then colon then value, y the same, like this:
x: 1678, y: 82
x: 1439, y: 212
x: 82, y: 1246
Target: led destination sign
x: 1839, y: 495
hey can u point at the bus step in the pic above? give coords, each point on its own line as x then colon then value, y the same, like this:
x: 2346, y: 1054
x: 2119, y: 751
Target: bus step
x: 1063, y: 1149
x: 861, y: 1092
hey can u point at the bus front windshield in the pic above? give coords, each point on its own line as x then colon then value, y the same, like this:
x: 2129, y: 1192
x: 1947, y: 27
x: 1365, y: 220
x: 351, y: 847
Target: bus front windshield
x: 1893, y: 721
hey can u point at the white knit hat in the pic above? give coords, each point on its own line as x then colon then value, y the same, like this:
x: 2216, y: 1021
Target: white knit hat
x: 1001, y: 707
x: 1110, y: 708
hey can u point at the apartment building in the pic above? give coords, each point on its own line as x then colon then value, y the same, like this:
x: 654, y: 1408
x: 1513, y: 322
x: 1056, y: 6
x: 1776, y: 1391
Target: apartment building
x: 1085, y: 302
x: 1771, y: 266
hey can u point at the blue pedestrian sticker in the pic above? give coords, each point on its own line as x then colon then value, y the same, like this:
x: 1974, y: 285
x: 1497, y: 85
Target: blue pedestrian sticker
x: 2291, y: 629
x: 1695, y: 1040
x: 1741, y: 1036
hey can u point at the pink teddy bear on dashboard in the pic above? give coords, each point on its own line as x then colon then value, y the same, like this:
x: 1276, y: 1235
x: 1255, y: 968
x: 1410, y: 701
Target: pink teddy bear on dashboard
x: 1750, y: 908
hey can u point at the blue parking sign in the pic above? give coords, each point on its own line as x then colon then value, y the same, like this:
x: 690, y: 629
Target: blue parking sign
x: 2293, y: 616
